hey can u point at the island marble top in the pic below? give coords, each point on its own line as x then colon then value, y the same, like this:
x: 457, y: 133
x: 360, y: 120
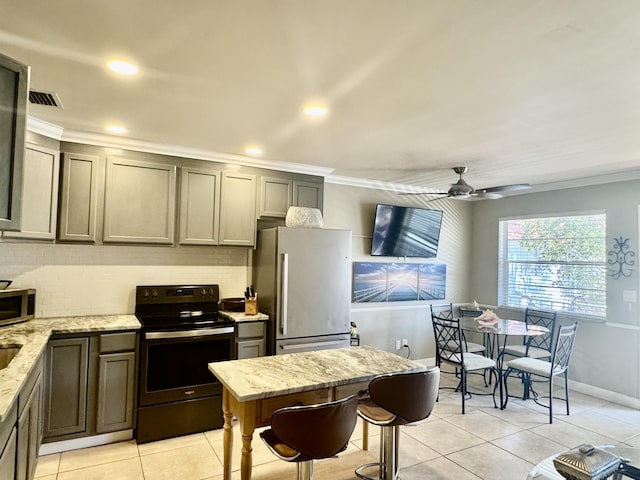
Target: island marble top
x: 263, y: 377
x: 33, y: 336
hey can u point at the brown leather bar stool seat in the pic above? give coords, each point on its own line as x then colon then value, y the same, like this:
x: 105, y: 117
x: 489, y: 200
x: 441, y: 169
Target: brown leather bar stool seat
x: 395, y: 400
x: 305, y: 433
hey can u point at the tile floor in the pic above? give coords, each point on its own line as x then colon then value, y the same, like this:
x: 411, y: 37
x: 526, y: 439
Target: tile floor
x: 485, y: 443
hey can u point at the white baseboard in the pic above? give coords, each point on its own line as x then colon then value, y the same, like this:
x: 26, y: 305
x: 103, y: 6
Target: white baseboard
x: 84, y: 442
x: 597, y: 392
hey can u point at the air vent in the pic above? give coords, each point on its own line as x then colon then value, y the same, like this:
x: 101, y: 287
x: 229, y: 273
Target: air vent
x: 47, y: 99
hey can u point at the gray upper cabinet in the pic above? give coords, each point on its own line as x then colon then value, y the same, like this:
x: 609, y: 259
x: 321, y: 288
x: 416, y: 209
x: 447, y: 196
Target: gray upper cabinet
x: 307, y: 194
x: 78, y: 198
x: 140, y: 199
x: 39, y: 194
x: 199, y: 206
x: 276, y: 195
x: 238, y: 209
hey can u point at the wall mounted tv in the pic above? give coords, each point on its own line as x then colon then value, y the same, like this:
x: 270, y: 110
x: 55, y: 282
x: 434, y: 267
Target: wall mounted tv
x: 406, y: 231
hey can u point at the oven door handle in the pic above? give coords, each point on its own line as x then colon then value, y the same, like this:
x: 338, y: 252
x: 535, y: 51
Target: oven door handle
x: 189, y: 333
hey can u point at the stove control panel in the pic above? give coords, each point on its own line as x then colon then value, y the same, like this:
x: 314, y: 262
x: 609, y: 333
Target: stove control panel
x: 168, y: 294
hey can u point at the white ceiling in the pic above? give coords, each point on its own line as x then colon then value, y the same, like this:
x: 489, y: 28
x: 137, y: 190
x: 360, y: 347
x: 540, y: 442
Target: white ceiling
x: 518, y: 90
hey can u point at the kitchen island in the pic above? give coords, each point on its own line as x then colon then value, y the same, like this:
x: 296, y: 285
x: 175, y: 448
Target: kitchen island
x: 254, y: 388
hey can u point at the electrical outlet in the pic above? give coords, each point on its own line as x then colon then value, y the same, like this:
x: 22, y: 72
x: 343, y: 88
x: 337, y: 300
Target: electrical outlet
x: 405, y: 342
x: 398, y: 345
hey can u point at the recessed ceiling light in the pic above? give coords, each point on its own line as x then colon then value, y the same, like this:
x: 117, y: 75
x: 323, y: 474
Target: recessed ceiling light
x: 315, y: 110
x: 122, y: 67
x: 116, y: 129
x: 253, y: 151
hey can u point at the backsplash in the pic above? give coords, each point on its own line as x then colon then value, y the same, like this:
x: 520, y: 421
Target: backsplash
x: 100, y: 279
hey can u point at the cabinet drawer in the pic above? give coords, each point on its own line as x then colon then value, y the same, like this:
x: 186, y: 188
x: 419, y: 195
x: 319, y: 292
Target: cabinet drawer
x: 358, y: 389
x: 270, y: 405
x: 250, y: 329
x: 118, y: 342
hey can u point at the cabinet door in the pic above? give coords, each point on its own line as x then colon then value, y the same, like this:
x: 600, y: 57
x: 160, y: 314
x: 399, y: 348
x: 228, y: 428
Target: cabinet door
x: 199, y: 206
x: 238, y: 209
x: 39, y: 194
x: 29, y: 436
x: 66, y: 378
x: 116, y: 382
x: 307, y: 194
x: 251, y: 348
x: 140, y: 202
x: 275, y: 196
x: 8, y: 457
x: 79, y: 197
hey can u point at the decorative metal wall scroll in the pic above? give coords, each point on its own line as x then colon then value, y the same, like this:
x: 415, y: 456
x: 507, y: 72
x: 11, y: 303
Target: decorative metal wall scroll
x: 621, y: 258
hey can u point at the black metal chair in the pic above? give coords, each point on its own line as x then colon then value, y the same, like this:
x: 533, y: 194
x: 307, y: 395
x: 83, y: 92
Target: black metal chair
x: 450, y: 350
x: 305, y: 433
x: 395, y: 400
x: 538, y: 346
x: 559, y: 365
x: 445, y: 312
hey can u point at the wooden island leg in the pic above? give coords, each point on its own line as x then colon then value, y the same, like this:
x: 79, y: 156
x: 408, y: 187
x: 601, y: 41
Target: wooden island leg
x: 247, y: 420
x: 227, y: 439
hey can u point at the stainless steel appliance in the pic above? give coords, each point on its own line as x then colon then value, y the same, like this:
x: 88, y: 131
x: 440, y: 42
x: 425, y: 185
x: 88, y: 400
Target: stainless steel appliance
x: 181, y: 334
x: 17, y: 305
x: 302, y: 277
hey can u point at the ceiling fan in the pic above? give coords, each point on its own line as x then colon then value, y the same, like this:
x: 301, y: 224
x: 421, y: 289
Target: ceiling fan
x: 462, y: 190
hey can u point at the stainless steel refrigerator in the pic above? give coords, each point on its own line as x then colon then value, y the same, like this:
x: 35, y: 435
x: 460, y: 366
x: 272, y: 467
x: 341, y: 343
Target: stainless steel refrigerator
x: 302, y: 277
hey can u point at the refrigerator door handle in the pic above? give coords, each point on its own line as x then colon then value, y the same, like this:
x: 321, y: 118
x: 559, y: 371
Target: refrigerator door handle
x: 284, y: 297
x: 297, y: 346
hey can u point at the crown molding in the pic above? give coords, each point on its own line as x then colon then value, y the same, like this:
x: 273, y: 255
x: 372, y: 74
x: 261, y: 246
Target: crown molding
x: 58, y: 133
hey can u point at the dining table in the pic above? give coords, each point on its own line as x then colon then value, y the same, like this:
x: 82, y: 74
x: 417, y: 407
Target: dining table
x: 254, y: 388
x: 495, y: 336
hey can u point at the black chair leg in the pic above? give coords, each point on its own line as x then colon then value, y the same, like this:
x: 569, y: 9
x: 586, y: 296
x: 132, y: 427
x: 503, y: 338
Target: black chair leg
x: 551, y: 400
x: 566, y: 390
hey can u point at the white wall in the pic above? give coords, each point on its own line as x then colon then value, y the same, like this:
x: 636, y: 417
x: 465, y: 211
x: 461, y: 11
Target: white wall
x: 380, y: 324
x: 101, y: 279
x: 606, y: 354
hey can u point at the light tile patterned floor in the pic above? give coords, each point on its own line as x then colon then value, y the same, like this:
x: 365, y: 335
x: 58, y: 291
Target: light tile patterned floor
x: 485, y: 443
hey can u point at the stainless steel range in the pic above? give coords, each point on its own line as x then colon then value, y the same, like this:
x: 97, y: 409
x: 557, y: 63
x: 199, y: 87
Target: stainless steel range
x: 181, y: 334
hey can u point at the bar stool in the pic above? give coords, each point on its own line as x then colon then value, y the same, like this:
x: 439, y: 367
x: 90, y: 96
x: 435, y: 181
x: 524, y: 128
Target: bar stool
x: 305, y: 433
x: 394, y: 400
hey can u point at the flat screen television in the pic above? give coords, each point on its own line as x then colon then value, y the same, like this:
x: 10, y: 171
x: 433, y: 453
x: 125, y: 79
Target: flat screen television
x: 14, y: 87
x: 406, y: 231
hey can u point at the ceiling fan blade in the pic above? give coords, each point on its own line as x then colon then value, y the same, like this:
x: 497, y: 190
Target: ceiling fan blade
x: 424, y: 193
x: 505, y: 188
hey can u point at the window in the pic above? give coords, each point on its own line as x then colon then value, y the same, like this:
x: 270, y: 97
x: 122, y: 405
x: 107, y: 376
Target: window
x: 554, y: 263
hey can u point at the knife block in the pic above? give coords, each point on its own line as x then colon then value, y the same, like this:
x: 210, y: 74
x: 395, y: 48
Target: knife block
x: 251, y: 306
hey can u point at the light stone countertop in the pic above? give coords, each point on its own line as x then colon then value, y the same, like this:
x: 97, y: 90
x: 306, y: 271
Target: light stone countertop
x: 240, y: 317
x: 263, y: 377
x: 33, y: 336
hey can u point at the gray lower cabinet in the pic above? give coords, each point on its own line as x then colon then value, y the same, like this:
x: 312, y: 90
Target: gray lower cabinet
x: 29, y: 432
x: 199, y: 206
x: 116, y: 386
x: 39, y: 194
x: 90, y: 385
x: 140, y: 200
x: 66, y: 382
x: 251, y: 339
x: 79, y: 197
x: 8, y: 456
x: 238, y: 209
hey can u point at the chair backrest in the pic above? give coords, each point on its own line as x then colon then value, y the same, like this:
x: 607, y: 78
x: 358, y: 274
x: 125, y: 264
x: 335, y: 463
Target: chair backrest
x: 318, y: 431
x: 444, y: 310
x: 564, y: 347
x: 409, y: 396
x: 543, y: 319
x: 449, y: 340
